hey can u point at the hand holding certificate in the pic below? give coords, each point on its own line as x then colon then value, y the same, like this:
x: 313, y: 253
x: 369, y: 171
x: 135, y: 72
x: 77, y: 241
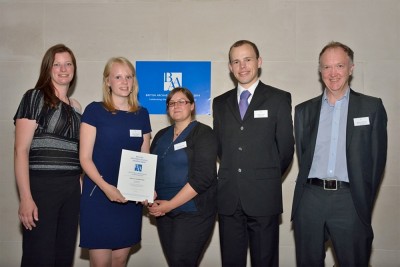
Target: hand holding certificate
x: 137, y: 175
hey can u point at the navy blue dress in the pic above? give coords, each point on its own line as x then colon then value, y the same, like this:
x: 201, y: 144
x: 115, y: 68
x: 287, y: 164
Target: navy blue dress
x: 105, y: 224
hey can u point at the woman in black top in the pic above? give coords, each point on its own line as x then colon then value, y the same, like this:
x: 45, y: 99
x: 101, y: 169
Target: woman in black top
x: 186, y: 182
x: 47, y: 168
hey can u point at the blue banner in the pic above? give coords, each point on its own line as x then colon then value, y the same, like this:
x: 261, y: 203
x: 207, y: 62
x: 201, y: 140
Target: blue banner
x: 157, y: 78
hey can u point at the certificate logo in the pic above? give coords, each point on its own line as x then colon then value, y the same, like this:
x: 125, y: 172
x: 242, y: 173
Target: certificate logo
x: 138, y: 167
x: 172, y: 80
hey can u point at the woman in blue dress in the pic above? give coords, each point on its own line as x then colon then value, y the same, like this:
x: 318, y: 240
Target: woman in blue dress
x: 109, y: 224
x: 186, y: 182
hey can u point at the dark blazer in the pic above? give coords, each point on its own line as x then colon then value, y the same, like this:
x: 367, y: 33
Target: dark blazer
x: 253, y: 152
x: 366, y: 147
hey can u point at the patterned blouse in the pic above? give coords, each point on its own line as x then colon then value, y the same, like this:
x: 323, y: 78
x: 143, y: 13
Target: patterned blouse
x: 54, y: 147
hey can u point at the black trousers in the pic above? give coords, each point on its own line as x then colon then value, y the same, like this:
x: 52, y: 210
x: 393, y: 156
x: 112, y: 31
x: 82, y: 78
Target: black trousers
x: 184, y: 236
x: 53, y: 241
x: 239, y: 231
x: 324, y: 215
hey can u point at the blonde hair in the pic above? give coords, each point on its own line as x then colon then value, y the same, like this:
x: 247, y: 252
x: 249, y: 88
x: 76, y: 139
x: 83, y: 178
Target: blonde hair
x: 133, y: 96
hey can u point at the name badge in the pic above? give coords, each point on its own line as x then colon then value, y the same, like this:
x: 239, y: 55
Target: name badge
x: 135, y: 133
x: 261, y: 113
x: 361, y: 121
x: 180, y: 145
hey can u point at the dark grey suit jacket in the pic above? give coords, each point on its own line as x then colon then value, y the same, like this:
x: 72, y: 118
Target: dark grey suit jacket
x: 253, y: 152
x: 366, y: 147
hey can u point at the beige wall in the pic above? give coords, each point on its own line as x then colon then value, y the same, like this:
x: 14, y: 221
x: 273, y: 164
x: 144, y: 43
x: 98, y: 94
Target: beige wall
x: 289, y: 34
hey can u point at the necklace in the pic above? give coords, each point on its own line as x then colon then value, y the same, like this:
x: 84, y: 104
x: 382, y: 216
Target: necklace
x: 176, y: 132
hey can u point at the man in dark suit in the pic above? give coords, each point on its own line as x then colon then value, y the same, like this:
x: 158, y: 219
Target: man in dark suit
x: 254, y: 149
x: 341, y: 143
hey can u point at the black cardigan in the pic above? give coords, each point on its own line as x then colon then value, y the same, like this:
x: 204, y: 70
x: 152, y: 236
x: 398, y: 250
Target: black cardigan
x: 201, y: 150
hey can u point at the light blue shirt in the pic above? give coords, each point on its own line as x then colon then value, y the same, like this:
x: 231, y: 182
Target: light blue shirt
x: 329, y: 161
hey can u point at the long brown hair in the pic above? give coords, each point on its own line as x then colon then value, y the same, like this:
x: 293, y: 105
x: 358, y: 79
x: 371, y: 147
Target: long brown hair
x: 44, y: 82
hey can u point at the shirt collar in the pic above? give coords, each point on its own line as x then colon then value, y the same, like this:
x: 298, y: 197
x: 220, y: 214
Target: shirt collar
x: 251, y: 89
x: 346, y: 95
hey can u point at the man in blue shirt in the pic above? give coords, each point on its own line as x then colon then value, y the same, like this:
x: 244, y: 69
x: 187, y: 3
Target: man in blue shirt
x: 341, y: 142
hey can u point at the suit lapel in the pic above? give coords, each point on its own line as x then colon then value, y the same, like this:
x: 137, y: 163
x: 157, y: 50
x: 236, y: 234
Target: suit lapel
x: 260, y: 95
x: 233, y: 105
x: 313, y: 121
x: 351, y: 114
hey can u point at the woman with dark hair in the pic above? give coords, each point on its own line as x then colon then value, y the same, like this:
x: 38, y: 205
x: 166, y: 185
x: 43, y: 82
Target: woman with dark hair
x: 109, y: 224
x: 186, y: 182
x: 46, y: 163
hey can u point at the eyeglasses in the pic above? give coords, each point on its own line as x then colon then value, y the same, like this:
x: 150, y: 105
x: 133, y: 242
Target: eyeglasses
x: 178, y: 103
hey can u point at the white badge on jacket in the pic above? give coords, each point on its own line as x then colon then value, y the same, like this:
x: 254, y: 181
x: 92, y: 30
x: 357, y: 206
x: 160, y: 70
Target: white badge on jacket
x: 180, y: 145
x: 361, y: 121
x: 135, y: 133
x: 261, y: 113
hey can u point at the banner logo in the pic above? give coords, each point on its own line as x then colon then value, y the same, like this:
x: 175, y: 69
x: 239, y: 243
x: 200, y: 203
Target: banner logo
x: 172, y: 80
x: 158, y: 78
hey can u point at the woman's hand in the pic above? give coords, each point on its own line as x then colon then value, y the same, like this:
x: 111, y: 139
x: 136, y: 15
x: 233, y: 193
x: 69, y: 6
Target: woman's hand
x: 160, y: 208
x: 113, y: 193
x: 146, y: 202
x: 28, y: 213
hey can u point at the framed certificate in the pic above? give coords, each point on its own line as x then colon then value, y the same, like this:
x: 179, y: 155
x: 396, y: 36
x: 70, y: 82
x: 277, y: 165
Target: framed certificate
x: 137, y: 175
